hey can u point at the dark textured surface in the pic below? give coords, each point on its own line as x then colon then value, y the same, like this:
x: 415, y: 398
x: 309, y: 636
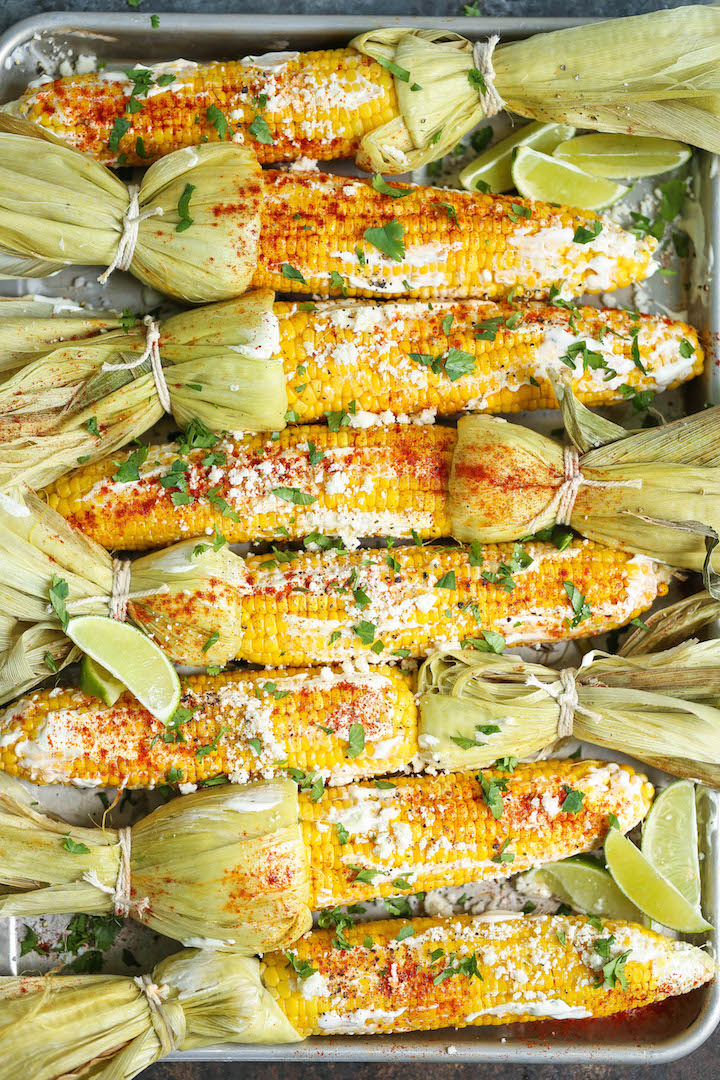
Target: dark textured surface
x: 705, y: 1063
x: 13, y: 10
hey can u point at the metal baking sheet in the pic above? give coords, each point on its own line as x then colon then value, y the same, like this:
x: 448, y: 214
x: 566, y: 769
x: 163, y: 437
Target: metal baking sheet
x: 658, y: 1034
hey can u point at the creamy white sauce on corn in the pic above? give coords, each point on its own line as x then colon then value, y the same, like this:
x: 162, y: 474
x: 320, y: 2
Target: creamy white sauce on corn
x: 70, y: 737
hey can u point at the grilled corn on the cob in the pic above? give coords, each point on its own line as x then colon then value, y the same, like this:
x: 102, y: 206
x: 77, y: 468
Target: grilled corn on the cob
x: 416, y: 833
x: 386, y: 481
x: 314, y: 105
x: 367, y: 839
x: 242, y: 724
x: 393, y: 356
x: 379, y: 605
x: 322, y: 233
x: 497, y: 968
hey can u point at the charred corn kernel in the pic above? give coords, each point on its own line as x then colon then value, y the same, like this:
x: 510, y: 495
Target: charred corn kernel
x: 417, y: 833
x: 399, y: 976
x: 379, y: 482
x: 328, y: 234
x: 242, y: 724
x: 380, y: 604
x: 315, y: 105
x: 344, y: 352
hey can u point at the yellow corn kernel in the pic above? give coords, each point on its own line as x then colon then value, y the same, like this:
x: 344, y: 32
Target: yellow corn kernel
x: 376, y: 604
x: 242, y: 724
x: 341, y: 353
x: 382, y: 481
x: 432, y: 973
x: 418, y: 833
x: 328, y: 234
x: 316, y: 105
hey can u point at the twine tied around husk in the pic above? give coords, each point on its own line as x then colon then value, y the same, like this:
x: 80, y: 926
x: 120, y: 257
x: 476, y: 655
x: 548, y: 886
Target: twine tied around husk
x: 123, y: 257
x: 658, y: 75
x: 49, y: 572
x: 655, y: 491
x: 151, y: 353
x: 105, y: 378
x: 173, y: 869
x: 477, y: 708
x: 190, y: 229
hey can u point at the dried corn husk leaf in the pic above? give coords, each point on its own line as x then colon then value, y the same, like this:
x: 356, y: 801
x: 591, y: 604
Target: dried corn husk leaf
x: 185, y: 597
x: 224, y: 868
x: 659, y: 708
x: 59, y: 208
x: 72, y: 1027
x: 506, y: 482
x: 672, y: 625
x: 60, y: 402
x: 654, y: 74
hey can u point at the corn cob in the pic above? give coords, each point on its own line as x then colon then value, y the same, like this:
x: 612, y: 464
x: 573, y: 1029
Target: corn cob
x: 488, y: 969
x: 387, y: 481
x: 253, y: 724
x: 384, y: 481
x: 315, y: 105
x: 417, y: 833
x: 353, y: 843
x: 339, y: 606
x: 343, y: 352
x: 329, y: 234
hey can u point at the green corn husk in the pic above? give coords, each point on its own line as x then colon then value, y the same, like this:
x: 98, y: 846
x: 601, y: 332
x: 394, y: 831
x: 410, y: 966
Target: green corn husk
x: 59, y: 208
x: 221, y: 363
x: 660, y: 708
x: 655, y: 74
x: 102, y: 1027
x: 191, y: 596
x: 504, y: 478
x: 204, y: 868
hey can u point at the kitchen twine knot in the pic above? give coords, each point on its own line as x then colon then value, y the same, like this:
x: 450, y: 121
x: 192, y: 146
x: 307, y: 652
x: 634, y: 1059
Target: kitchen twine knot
x: 151, y: 353
x: 482, y: 58
x: 120, y: 595
x: 566, y: 697
x: 123, y: 902
x: 563, y: 501
x: 130, y: 232
x: 161, y: 1015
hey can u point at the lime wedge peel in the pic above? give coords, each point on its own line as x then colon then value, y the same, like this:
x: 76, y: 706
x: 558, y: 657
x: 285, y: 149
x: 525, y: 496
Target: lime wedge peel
x: 98, y: 682
x: 540, y: 176
x: 132, y: 658
x: 670, y: 839
x: 653, y: 894
x: 585, y: 886
x: 621, y: 157
x: 494, y: 166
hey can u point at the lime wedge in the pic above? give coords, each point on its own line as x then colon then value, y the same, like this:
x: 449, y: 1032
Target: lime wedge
x: 493, y: 167
x: 649, y: 890
x: 539, y: 176
x: 98, y: 682
x: 618, y: 157
x: 585, y: 887
x: 670, y: 839
x: 131, y: 657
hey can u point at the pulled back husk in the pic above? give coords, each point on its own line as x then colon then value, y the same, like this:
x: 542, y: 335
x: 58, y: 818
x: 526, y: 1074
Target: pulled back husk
x: 59, y: 208
x: 505, y: 478
x: 72, y: 1027
x: 654, y: 74
x: 189, y: 596
x: 660, y: 708
x: 225, y: 868
x: 672, y: 625
x: 221, y: 363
